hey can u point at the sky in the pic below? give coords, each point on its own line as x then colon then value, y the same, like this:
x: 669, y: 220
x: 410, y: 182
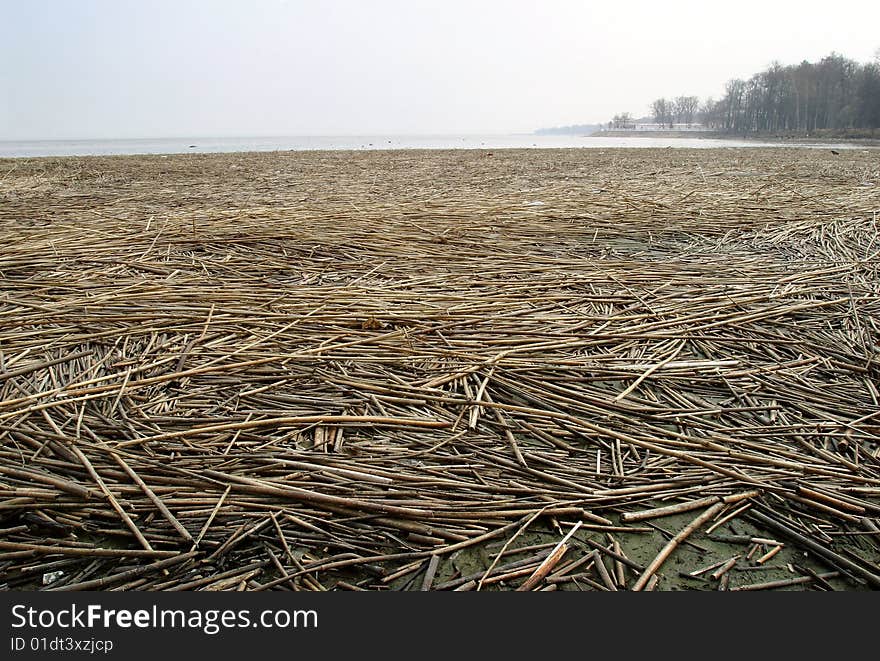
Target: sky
x: 87, y: 69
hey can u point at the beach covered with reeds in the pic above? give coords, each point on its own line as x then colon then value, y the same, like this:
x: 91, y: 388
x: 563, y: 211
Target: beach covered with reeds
x: 519, y: 370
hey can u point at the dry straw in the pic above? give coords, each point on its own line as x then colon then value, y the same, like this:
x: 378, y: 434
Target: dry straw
x: 318, y: 371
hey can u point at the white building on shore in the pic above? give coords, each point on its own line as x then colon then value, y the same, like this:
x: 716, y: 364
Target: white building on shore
x: 650, y: 126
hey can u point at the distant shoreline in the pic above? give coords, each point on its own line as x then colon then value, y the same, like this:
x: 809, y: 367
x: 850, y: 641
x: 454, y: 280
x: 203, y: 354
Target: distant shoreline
x: 870, y: 137
x: 606, y: 140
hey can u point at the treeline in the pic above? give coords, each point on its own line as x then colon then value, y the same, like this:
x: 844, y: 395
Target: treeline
x: 834, y: 93
x: 681, y: 110
x: 668, y: 113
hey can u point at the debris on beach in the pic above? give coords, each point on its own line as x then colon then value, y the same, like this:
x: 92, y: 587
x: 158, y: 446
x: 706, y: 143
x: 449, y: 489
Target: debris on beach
x: 381, y: 370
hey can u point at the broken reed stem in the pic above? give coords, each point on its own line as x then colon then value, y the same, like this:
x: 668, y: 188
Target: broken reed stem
x: 552, y: 560
x: 828, y: 555
x: 115, y: 503
x: 377, y: 421
x: 650, y: 371
x: 784, y: 583
x: 428, y: 581
x: 673, y: 543
x: 504, y: 548
x: 212, y: 515
x: 686, y: 506
x: 105, y: 581
x: 184, y: 533
x: 603, y: 571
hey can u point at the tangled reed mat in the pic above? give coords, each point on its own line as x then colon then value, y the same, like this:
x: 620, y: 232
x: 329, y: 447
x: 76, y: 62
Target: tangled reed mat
x: 518, y: 370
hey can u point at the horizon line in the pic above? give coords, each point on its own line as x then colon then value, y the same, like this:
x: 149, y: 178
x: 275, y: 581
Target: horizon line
x: 282, y: 135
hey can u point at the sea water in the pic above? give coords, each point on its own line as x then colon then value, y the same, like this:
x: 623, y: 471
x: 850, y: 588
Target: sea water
x: 32, y: 148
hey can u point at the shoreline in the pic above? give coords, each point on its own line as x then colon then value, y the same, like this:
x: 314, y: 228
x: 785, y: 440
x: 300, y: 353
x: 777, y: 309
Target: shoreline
x: 774, y: 137
x: 485, y: 151
x: 411, y: 144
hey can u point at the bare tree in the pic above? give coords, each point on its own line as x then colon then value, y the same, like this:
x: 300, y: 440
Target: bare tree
x: 710, y: 115
x: 661, y: 110
x: 686, y: 109
x: 622, y: 121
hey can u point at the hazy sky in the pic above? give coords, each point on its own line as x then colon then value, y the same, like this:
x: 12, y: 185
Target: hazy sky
x: 168, y: 68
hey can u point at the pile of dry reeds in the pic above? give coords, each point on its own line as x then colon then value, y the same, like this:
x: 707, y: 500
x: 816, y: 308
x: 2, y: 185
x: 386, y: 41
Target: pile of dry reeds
x: 570, y: 369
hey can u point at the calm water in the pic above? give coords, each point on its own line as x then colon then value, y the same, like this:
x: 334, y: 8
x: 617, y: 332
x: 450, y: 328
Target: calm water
x: 300, y: 143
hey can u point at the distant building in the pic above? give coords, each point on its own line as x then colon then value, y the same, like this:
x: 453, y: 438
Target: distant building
x: 652, y: 126
x: 621, y: 123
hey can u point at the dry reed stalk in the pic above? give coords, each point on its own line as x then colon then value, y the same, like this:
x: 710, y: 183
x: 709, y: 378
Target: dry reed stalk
x: 550, y: 562
x: 784, y: 583
x: 726, y: 567
x: 686, y: 507
x: 674, y: 542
